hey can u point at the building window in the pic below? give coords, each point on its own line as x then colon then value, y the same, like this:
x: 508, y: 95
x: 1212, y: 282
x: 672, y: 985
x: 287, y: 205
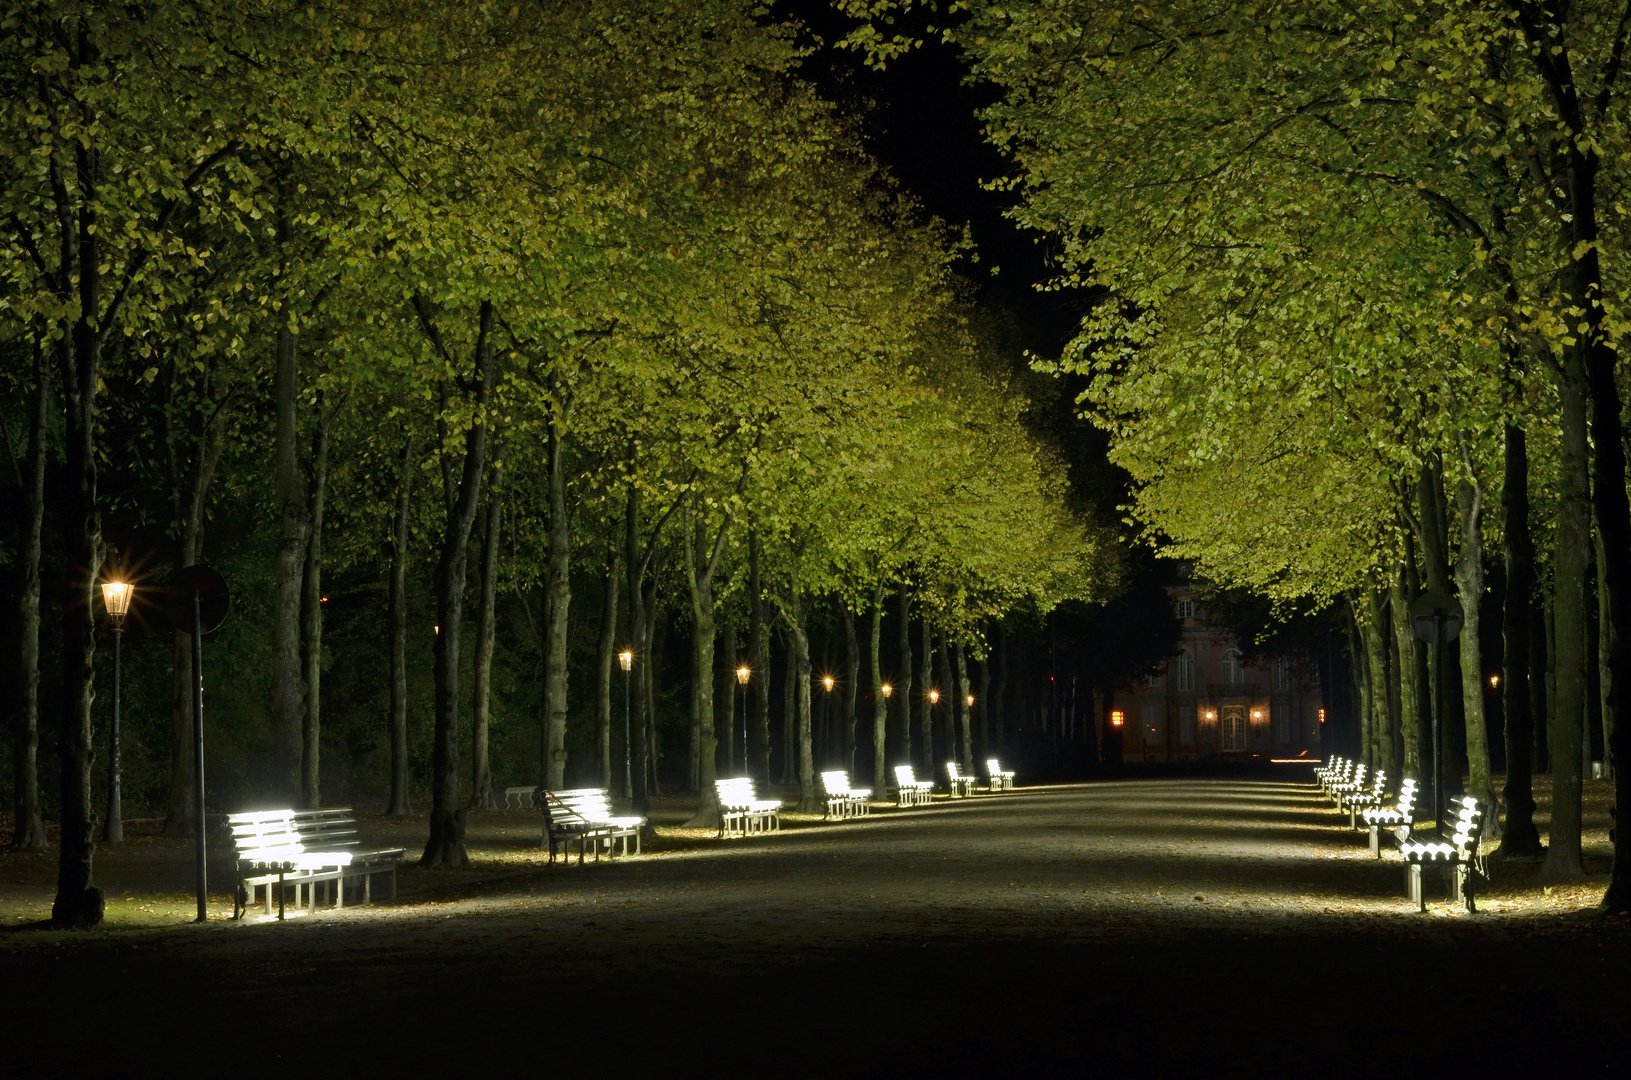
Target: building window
x: 1155, y: 728
x: 1183, y: 671
x: 1186, y: 725
x: 1282, y: 674
x: 1153, y: 680
x: 1186, y: 609
x: 1234, y: 672
x: 1281, y: 719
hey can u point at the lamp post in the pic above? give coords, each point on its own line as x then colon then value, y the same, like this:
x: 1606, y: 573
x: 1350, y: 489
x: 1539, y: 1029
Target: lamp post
x: 625, y: 660
x: 116, y: 597
x: 826, y: 719
x: 928, y: 750
x: 744, y: 673
x: 967, y: 752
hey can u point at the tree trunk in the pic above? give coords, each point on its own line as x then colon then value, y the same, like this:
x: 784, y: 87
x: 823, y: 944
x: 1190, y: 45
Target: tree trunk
x: 725, y: 699
x: 445, y: 845
x: 905, y: 688
x: 1361, y: 685
x: 852, y: 682
x: 560, y: 600
x: 790, y: 711
x: 1469, y: 579
x: 288, y: 566
x: 481, y: 769
x: 606, y: 659
x: 1519, y: 838
x: 397, y: 618
x: 1381, y: 730
x: 311, y: 788
x: 925, y: 734
x: 999, y: 697
x: 1408, y: 678
x: 964, y: 690
x: 29, y: 831
x: 800, y: 653
x: 951, y: 695
x: 759, y: 653
x: 701, y: 563
x: 880, y: 703
x: 635, y: 566
x: 1605, y: 659
x: 982, y: 707
x: 1571, y: 563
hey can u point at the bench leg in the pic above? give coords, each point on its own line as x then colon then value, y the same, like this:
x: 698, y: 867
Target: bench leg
x: 1376, y: 840
x: 279, y: 900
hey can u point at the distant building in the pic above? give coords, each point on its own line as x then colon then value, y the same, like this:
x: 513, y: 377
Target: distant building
x: 1208, y: 704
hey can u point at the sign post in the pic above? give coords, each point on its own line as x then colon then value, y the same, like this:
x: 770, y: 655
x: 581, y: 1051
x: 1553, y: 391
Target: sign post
x: 1436, y: 617
x: 198, y: 603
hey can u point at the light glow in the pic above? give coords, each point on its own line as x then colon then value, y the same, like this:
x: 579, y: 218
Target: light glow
x: 116, y: 595
x: 1117, y: 717
x: 1494, y: 681
x: 827, y: 681
x: 971, y: 701
x: 934, y: 697
x: 743, y: 673
x: 1322, y: 716
x: 887, y: 689
x: 625, y: 659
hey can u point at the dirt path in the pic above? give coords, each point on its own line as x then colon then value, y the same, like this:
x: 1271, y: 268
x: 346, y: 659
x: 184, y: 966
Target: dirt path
x: 1188, y: 926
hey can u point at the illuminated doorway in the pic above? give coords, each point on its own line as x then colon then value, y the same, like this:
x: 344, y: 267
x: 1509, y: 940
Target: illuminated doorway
x: 1232, y: 728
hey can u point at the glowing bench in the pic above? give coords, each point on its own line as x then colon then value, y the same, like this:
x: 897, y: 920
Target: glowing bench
x: 1000, y: 780
x: 585, y: 815
x: 742, y: 812
x: 1400, y: 817
x: 960, y: 782
x: 909, y: 790
x: 1355, y: 782
x: 1354, y: 801
x: 275, y: 849
x: 1340, y: 770
x: 842, y: 800
x: 1457, y: 853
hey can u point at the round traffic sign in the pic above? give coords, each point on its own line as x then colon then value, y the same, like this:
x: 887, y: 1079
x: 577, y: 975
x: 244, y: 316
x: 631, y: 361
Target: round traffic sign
x: 209, y: 589
x: 1436, y: 617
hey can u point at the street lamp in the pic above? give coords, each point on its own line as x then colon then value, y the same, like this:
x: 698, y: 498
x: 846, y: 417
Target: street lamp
x: 116, y: 597
x: 625, y: 660
x: 826, y: 718
x: 743, y: 674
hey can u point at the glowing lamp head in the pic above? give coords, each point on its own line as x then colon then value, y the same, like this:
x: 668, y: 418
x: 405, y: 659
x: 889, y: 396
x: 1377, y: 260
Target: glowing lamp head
x: 827, y: 681
x: 971, y: 701
x: 1494, y: 681
x: 934, y: 697
x: 1117, y: 718
x: 1257, y: 714
x: 1322, y: 716
x: 116, y: 595
x: 625, y: 659
x: 887, y: 689
x: 1210, y: 715
x: 742, y: 674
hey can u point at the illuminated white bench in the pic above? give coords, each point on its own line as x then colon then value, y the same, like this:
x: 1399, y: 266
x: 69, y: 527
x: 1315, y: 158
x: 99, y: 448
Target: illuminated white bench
x: 1354, y: 801
x: 1339, y: 771
x: 585, y: 815
x: 961, y: 783
x: 1336, y: 763
x: 1457, y: 852
x: 1000, y: 780
x: 742, y: 812
x: 1355, y: 782
x: 520, y: 798
x: 275, y: 849
x: 842, y: 800
x: 909, y: 790
x: 1400, y: 817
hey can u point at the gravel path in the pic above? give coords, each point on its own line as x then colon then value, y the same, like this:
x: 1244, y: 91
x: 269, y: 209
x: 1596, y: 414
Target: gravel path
x: 1182, y: 926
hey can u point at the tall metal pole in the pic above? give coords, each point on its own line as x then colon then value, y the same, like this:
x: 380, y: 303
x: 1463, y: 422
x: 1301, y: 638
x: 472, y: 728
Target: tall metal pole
x: 745, y: 730
x: 115, y: 830
x: 628, y: 766
x: 198, y: 755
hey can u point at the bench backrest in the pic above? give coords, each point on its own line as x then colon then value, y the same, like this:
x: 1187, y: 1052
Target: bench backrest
x: 735, y: 791
x: 1468, y: 825
x: 270, y: 835
x: 993, y: 767
x: 586, y: 804
x: 951, y: 771
x: 904, y: 776
x: 835, y: 783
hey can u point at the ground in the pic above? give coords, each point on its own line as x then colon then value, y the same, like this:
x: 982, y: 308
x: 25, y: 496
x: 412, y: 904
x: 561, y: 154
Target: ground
x: 1182, y: 925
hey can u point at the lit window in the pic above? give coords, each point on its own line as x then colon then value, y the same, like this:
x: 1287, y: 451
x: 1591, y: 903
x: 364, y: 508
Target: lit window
x: 1183, y: 671
x: 1186, y: 609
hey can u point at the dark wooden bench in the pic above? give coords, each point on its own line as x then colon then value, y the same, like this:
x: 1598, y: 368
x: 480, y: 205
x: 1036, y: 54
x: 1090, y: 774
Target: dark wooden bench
x: 276, y: 849
x: 585, y: 815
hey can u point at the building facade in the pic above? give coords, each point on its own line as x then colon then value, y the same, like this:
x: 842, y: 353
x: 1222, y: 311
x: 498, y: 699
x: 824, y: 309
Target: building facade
x: 1208, y: 704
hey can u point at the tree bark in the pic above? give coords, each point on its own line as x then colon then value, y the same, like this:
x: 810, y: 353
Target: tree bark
x: 29, y: 830
x: 964, y: 689
x: 725, y: 697
x: 905, y: 688
x: 800, y: 654
x: 560, y: 592
x: 311, y: 788
x: 1571, y: 563
x: 880, y: 703
x: 790, y: 712
x: 999, y: 697
x: 1381, y: 726
x: 982, y: 708
x: 606, y: 658
x: 1519, y: 838
x: 701, y: 563
x: 445, y: 845
x: 852, y: 682
x: 925, y: 732
x: 397, y: 620
x: 1469, y: 578
x: 288, y: 566
x: 1409, y: 691
x: 481, y: 769
x: 759, y: 653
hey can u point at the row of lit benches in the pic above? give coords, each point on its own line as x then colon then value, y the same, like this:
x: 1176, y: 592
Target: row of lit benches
x: 1455, y: 847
